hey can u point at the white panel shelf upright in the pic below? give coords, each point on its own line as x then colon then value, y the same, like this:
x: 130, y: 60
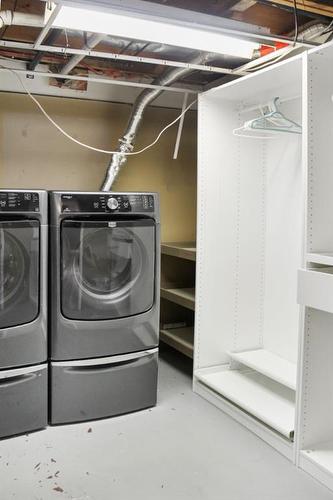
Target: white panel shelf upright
x: 315, y: 285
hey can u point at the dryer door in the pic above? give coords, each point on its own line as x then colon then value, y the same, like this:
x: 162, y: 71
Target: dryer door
x: 19, y: 272
x: 108, y: 268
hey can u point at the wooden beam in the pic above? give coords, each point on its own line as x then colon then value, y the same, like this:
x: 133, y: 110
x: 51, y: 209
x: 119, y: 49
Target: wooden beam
x: 321, y: 9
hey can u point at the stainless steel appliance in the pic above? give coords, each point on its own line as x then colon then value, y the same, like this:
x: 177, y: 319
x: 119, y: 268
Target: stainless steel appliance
x: 23, y: 314
x: 104, y: 303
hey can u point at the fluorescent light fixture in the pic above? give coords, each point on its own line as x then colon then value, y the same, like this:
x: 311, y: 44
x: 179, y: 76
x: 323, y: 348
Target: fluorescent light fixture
x: 137, y: 28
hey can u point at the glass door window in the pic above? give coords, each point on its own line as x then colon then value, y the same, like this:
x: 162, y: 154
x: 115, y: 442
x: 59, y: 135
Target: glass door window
x: 107, y: 268
x: 19, y: 272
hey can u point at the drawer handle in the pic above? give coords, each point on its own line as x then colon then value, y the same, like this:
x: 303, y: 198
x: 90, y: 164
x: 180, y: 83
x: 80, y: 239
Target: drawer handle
x: 106, y: 366
x: 107, y: 361
x: 17, y: 379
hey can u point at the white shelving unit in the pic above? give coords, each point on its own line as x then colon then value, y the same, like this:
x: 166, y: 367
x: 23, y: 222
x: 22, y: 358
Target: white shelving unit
x: 264, y: 297
x: 249, y: 249
x: 315, y: 432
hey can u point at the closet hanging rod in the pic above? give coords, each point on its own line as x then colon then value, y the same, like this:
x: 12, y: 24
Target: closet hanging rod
x: 247, y: 109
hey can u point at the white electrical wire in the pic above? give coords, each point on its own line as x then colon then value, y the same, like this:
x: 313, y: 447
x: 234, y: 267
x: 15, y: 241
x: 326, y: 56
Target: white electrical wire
x: 92, y: 148
x: 272, y: 61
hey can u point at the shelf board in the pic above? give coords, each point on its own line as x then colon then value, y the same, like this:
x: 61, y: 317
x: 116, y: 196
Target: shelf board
x: 180, y: 339
x: 269, y: 364
x: 321, y: 455
x: 325, y: 258
x: 183, y: 250
x: 182, y: 296
x: 265, y: 399
x: 315, y: 288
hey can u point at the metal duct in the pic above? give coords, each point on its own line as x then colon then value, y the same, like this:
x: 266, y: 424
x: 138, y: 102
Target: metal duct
x: 314, y: 31
x: 9, y: 18
x: 142, y: 101
x: 74, y: 60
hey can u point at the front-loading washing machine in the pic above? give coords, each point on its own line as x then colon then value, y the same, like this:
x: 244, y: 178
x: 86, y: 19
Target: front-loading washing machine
x: 104, y: 317
x: 23, y: 311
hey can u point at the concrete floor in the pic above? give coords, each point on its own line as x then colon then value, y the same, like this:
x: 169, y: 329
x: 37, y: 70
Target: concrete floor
x: 184, y: 448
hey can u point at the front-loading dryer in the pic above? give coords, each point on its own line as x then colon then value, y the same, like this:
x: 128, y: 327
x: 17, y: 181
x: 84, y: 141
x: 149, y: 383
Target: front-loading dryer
x: 104, y: 303
x: 23, y: 311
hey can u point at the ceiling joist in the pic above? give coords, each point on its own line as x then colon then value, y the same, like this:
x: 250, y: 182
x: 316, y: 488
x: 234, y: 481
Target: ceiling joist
x: 109, y: 81
x: 118, y: 57
x: 321, y: 9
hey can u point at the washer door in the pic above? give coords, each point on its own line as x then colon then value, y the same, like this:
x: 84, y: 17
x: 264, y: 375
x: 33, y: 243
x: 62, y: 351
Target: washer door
x: 19, y: 272
x: 108, y: 268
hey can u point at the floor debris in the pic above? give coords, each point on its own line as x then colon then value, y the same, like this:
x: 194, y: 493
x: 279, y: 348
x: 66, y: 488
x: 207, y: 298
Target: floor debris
x: 58, y: 488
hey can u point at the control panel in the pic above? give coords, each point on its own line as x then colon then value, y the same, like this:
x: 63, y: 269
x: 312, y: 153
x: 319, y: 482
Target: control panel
x: 107, y: 203
x: 12, y: 201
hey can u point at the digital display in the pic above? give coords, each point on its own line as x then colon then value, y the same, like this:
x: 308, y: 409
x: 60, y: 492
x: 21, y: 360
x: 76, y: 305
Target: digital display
x: 12, y: 201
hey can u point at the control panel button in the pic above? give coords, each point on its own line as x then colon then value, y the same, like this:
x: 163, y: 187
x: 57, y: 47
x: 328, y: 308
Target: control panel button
x: 112, y: 203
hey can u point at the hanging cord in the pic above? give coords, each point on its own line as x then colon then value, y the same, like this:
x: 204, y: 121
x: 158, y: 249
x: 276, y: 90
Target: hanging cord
x: 92, y: 148
x: 67, y: 44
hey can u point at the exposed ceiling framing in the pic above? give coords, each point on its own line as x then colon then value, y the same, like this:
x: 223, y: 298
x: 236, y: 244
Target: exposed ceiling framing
x: 124, y: 60
x: 121, y: 57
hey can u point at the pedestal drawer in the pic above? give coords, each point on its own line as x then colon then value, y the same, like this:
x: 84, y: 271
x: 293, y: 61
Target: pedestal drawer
x: 103, y: 387
x: 23, y: 397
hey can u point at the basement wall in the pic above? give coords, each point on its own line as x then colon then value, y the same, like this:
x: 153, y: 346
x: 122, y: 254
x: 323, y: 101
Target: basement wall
x: 33, y: 154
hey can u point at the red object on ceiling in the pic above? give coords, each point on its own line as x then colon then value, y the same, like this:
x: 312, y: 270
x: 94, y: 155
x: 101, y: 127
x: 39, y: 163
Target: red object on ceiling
x: 266, y: 49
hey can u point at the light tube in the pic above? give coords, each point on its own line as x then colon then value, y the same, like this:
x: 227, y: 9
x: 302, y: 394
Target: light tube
x: 137, y: 28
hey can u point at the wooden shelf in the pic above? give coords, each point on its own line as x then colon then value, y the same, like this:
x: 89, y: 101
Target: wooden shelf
x: 180, y: 339
x: 183, y: 250
x: 269, y: 364
x: 268, y: 401
x: 182, y: 296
